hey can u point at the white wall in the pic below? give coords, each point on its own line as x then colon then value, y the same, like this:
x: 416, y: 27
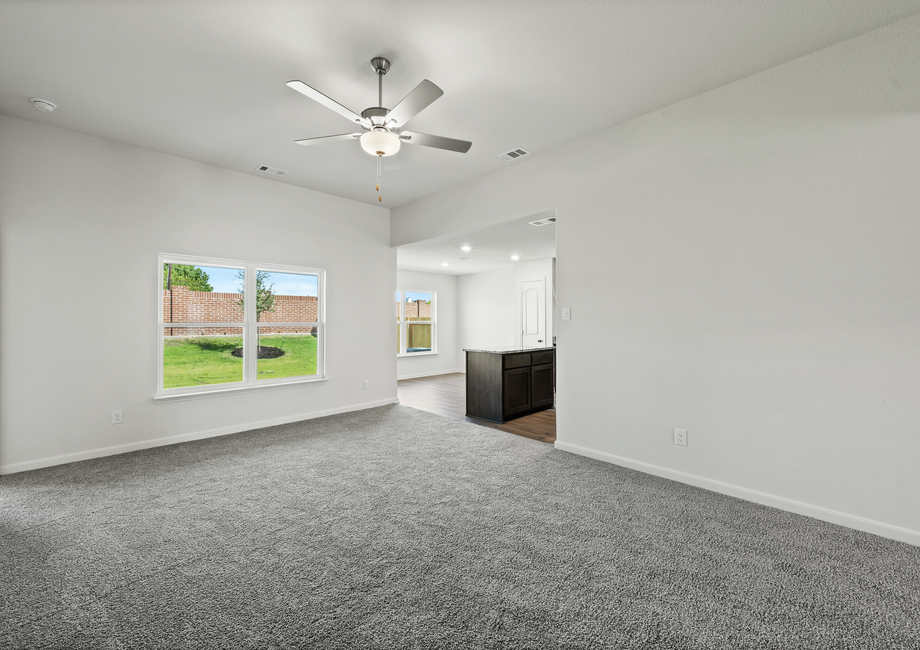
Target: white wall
x: 485, y: 308
x: 524, y: 270
x: 447, y: 359
x: 81, y: 223
x: 743, y: 265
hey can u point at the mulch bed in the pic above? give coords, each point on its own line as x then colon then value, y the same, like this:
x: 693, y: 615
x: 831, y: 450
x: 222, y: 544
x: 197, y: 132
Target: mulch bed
x: 265, y: 352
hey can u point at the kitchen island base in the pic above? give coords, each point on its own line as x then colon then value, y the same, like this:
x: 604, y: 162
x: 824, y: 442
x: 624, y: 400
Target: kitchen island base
x: 506, y: 383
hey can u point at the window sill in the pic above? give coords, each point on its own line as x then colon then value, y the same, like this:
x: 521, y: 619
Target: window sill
x: 236, y: 389
x: 415, y: 354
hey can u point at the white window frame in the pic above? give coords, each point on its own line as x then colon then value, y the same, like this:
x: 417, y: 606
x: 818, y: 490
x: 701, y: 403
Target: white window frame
x: 249, y: 326
x: 403, y: 323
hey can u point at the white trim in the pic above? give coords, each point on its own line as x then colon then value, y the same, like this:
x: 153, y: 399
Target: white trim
x: 250, y: 334
x: 176, y: 326
x: 264, y: 383
x: 416, y: 354
x: 431, y: 374
x: 856, y: 522
x: 50, y: 461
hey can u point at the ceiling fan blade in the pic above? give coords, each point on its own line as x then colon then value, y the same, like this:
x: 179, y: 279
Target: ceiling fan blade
x: 328, y: 138
x: 414, y: 103
x: 436, y: 141
x: 328, y: 102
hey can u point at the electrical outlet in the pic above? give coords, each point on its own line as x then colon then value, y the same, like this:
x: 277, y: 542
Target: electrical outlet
x: 364, y: 384
x: 118, y: 417
x: 680, y: 437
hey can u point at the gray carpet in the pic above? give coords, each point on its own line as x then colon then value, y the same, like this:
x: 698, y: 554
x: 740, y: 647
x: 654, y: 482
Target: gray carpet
x: 396, y: 528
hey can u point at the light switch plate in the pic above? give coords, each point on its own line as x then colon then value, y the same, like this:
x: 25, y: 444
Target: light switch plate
x: 566, y: 313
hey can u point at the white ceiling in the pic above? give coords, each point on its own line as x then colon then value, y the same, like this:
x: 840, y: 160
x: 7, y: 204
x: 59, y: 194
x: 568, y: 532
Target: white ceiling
x: 492, y: 248
x: 205, y: 79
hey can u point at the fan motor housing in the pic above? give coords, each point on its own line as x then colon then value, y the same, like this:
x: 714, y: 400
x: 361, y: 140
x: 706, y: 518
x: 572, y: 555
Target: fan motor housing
x: 376, y: 114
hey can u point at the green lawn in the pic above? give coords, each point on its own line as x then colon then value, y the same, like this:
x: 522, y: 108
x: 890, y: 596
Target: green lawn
x: 207, y: 360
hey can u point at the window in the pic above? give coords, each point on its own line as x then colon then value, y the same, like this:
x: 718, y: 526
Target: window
x: 213, y: 338
x: 416, y: 326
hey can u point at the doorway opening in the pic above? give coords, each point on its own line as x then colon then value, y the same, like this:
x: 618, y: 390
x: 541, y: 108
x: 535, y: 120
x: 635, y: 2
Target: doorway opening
x: 496, y: 293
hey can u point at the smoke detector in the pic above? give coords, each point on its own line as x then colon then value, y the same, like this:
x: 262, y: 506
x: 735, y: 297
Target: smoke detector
x: 271, y: 170
x: 543, y: 222
x: 43, y: 104
x: 514, y: 154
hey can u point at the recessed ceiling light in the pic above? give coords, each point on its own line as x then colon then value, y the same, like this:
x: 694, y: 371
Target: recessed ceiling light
x: 466, y: 248
x: 515, y: 257
x: 444, y: 264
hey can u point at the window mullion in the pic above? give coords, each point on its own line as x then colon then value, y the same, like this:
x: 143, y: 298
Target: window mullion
x: 250, y: 330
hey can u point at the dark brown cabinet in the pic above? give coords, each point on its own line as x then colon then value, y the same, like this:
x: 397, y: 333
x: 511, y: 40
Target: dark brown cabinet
x: 516, y: 391
x: 505, y: 385
x: 541, y: 385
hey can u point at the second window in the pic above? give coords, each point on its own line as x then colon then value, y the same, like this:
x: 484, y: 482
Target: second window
x: 416, y: 322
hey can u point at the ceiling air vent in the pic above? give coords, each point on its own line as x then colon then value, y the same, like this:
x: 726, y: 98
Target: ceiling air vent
x: 514, y: 154
x: 543, y: 222
x: 271, y: 170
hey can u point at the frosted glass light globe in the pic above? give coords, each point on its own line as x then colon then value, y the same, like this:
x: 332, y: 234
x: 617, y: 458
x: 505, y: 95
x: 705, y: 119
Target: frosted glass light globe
x: 380, y: 143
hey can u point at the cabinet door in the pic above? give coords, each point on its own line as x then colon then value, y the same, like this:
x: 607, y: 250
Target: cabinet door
x: 516, y: 391
x: 541, y: 385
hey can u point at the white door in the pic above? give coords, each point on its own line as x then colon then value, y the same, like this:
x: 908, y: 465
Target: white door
x: 533, y: 314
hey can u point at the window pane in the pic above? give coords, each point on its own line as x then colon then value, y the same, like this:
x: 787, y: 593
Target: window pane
x: 195, y: 356
x: 397, y: 306
x: 398, y: 338
x: 286, y: 352
x: 286, y: 297
x: 419, y: 337
x: 202, y: 294
x: 418, y: 306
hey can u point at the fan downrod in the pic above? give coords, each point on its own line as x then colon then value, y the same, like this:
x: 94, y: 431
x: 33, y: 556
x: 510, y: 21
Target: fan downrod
x: 380, y: 65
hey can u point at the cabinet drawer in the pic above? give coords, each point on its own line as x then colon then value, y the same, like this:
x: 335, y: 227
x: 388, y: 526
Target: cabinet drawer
x: 517, y: 360
x: 542, y: 357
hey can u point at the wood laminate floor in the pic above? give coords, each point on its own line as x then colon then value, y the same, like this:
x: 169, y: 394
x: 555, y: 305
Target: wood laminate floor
x: 446, y: 395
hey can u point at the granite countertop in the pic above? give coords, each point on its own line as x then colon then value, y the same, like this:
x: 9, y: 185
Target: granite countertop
x: 511, y: 349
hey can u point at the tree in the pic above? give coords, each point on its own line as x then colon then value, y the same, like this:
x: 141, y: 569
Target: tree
x: 265, y: 294
x: 185, y: 275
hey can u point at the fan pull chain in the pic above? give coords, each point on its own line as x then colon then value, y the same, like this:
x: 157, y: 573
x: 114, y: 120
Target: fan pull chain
x: 379, y: 196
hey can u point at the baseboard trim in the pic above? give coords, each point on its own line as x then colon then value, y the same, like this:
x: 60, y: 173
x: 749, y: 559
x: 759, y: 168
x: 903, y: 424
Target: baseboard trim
x: 817, y: 512
x: 51, y: 461
x: 430, y: 374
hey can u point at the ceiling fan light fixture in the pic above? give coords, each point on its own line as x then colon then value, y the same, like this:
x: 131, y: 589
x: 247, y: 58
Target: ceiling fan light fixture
x: 380, y: 143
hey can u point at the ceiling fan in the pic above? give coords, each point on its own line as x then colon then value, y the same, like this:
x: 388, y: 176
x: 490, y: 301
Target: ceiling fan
x: 382, y: 128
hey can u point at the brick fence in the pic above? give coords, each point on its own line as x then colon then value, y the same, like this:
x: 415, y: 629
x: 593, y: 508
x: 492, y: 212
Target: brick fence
x: 416, y: 310
x: 214, y: 307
